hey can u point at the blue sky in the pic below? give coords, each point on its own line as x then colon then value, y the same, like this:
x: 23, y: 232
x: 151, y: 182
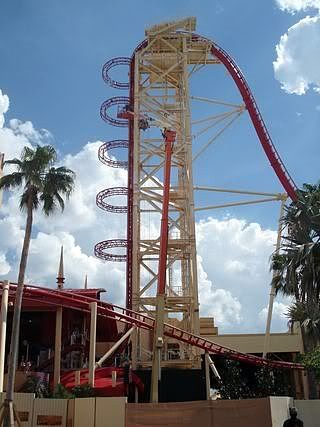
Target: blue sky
x: 51, y: 58
x: 52, y: 53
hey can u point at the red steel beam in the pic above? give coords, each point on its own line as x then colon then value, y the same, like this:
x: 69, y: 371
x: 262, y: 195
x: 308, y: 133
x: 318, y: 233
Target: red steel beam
x: 169, y: 136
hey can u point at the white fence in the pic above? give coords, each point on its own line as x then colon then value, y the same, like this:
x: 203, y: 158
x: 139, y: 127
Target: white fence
x: 84, y: 412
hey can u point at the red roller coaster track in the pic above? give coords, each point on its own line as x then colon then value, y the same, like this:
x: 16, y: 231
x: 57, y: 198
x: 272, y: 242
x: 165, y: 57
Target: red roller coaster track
x: 74, y: 301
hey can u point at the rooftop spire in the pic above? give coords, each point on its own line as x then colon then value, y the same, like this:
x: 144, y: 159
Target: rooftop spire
x: 86, y: 282
x: 61, y: 278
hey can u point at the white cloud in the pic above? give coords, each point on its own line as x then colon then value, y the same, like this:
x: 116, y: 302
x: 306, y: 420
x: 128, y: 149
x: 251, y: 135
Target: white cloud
x: 4, y: 106
x: 45, y: 252
x: 297, y: 66
x: 279, y: 318
x: 217, y: 303
x: 293, y: 6
x: 235, y: 256
x: 4, y: 265
x: 26, y: 128
x: 78, y: 229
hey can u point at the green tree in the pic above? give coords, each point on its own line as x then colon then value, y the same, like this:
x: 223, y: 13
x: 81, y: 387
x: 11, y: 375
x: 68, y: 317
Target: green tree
x: 43, y: 185
x: 242, y: 381
x: 311, y: 361
x: 297, y: 267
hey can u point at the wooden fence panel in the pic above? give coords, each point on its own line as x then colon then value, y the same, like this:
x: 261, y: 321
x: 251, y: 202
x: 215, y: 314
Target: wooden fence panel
x: 110, y: 411
x: 24, y: 405
x: 70, y: 413
x: 84, y: 412
x: 219, y: 413
x: 50, y: 412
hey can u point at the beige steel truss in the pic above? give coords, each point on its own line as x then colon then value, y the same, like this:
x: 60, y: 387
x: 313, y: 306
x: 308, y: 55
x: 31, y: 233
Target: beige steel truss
x: 161, y: 91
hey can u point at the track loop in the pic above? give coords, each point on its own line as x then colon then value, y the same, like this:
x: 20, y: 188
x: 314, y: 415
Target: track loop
x: 114, y: 62
x: 109, y: 192
x: 99, y: 250
x: 110, y: 145
x: 106, y: 105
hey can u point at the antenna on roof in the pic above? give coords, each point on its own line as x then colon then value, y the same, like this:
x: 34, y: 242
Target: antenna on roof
x: 86, y: 282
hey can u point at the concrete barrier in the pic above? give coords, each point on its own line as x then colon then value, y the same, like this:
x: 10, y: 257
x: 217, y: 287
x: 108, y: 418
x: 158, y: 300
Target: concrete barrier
x: 279, y: 407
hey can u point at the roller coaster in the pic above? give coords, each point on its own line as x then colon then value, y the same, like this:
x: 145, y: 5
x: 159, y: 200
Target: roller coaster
x: 159, y: 72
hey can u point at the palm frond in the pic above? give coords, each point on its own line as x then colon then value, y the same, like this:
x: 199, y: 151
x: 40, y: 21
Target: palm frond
x: 308, y: 315
x: 14, y: 161
x: 58, y: 182
x: 36, y: 161
x: 297, y: 268
x: 49, y: 205
x: 31, y: 194
x: 11, y: 180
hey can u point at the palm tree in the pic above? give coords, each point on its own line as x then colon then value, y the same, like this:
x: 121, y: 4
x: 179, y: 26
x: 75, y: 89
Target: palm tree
x: 297, y: 267
x: 43, y: 184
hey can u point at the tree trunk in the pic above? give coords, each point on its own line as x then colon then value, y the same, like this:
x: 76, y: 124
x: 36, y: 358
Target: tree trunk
x: 14, y: 344
x: 309, y: 345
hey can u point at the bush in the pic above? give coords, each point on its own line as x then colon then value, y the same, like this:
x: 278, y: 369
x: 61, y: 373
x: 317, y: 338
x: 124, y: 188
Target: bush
x: 37, y: 386
x: 84, y: 390
x: 60, y: 392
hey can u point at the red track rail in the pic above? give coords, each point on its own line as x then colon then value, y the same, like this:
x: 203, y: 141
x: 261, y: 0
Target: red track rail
x: 257, y: 120
x: 80, y: 302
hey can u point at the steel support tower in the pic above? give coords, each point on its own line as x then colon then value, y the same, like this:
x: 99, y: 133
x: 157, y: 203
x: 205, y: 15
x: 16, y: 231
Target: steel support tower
x: 161, y: 91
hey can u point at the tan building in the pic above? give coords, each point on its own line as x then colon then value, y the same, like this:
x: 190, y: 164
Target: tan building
x: 287, y: 345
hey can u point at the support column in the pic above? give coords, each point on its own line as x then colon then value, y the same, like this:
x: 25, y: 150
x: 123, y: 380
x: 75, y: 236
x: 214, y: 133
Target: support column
x: 157, y: 350
x: 92, y: 351
x: 57, y: 348
x: 3, y: 329
x: 207, y: 371
x: 114, y: 347
x: 266, y: 344
x: 1, y: 174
